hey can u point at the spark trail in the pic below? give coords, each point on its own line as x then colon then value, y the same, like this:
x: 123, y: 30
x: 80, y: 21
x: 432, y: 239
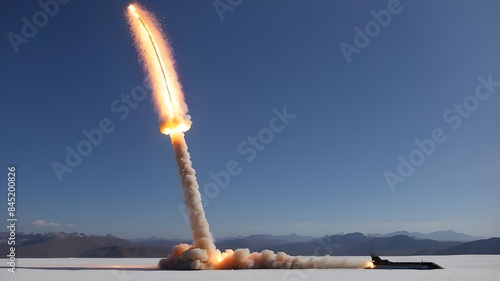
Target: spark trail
x: 158, y: 63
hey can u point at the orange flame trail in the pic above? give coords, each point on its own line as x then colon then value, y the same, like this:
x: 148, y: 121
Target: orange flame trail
x: 158, y: 63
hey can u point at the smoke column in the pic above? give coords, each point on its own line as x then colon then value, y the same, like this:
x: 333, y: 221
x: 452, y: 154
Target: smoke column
x: 157, y: 59
x: 192, y: 197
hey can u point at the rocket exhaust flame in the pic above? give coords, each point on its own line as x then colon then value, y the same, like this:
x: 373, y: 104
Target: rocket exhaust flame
x: 157, y: 60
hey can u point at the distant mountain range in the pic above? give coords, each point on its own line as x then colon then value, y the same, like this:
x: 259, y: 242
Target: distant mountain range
x: 60, y: 245
x: 448, y: 236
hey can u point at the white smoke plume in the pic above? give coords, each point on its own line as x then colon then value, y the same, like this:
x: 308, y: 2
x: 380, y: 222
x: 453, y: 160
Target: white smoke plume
x: 202, y: 254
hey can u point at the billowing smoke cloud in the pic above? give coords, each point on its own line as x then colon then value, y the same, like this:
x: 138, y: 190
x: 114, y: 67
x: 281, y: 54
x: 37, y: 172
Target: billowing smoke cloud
x: 156, y: 57
x: 243, y: 259
x: 183, y: 256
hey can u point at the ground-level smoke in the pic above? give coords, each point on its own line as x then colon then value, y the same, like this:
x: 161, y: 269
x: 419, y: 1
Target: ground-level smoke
x: 156, y: 57
x: 184, y: 256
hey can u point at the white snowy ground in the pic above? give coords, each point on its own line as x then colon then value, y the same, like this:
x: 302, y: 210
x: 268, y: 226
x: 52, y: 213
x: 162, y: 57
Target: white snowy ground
x: 473, y: 267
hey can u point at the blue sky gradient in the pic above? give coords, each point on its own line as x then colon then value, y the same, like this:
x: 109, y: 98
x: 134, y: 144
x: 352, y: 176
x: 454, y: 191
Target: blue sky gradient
x: 322, y: 174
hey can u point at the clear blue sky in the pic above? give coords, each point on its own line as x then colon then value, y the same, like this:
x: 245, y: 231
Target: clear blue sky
x: 322, y: 174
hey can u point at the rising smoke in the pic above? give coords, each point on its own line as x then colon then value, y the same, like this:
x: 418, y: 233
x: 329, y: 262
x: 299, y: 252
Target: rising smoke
x: 157, y: 60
